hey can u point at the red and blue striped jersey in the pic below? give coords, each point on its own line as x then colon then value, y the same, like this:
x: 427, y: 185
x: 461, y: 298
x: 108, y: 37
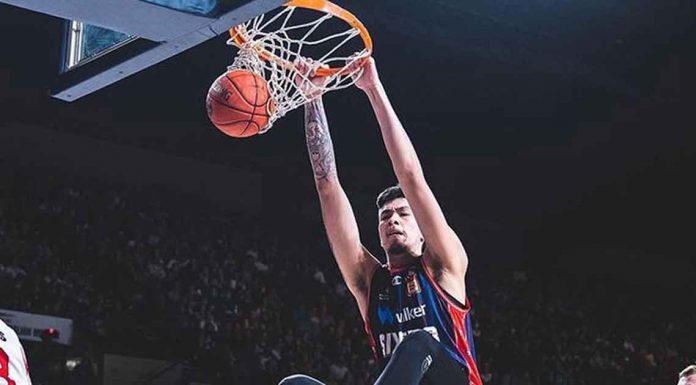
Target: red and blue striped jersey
x: 409, y: 299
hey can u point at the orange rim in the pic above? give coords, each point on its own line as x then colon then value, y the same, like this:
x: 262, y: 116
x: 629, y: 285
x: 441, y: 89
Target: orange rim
x: 317, y: 5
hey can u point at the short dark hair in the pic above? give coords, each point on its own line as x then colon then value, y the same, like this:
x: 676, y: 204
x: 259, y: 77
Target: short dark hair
x: 388, y: 195
x: 689, y: 370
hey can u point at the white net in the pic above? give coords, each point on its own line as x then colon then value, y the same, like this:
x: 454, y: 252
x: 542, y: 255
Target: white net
x: 282, y: 42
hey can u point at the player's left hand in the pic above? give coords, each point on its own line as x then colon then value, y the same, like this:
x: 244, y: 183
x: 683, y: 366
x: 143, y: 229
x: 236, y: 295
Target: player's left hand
x: 369, y: 78
x: 307, y: 80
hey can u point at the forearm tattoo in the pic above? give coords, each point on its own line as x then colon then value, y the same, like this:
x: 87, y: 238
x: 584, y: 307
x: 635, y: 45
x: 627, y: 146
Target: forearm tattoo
x: 319, y: 143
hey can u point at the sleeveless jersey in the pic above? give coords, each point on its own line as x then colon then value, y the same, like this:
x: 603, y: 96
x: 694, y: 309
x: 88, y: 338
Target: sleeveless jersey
x: 14, y: 369
x: 407, y: 300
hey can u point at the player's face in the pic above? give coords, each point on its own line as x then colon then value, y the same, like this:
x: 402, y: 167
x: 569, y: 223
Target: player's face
x: 398, y: 230
x: 688, y: 380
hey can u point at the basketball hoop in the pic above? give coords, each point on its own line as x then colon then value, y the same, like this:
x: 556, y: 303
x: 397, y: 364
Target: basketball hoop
x: 270, y: 45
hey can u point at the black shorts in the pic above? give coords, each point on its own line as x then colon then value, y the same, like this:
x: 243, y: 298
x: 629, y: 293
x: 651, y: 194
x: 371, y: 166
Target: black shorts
x: 418, y: 360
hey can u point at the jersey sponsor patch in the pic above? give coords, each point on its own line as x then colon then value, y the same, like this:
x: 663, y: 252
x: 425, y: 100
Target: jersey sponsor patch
x: 412, y: 285
x: 387, y: 316
x: 410, y: 313
x: 389, y: 341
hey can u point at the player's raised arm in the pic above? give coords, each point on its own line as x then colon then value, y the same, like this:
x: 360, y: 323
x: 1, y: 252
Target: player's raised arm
x: 354, y: 261
x: 444, y: 251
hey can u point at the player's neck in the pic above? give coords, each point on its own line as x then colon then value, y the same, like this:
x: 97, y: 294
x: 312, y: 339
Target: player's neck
x: 397, y: 262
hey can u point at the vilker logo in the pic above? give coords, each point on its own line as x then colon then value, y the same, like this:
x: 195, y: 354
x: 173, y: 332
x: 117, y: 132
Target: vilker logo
x: 408, y: 314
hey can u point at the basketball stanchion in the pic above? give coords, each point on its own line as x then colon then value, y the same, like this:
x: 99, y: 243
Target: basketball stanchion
x: 263, y: 82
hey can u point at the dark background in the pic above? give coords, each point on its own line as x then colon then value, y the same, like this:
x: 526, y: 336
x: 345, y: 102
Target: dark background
x: 557, y: 136
x: 545, y: 128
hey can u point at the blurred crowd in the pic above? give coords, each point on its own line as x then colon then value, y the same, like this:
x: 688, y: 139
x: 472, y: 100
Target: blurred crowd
x: 145, y: 272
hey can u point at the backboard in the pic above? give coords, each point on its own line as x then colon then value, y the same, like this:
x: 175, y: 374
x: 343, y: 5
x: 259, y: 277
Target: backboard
x: 104, y: 41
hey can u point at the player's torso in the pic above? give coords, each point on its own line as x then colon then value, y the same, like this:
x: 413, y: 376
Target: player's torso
x: 13, y: 363
x: 409, y: 300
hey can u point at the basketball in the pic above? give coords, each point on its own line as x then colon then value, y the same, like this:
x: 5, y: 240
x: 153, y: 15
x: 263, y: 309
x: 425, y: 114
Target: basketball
x: 239, y: 103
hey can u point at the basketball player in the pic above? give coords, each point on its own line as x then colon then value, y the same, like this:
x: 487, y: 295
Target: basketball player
x: 688, y: 376
x: 415, y: 308
x: 14, y: 369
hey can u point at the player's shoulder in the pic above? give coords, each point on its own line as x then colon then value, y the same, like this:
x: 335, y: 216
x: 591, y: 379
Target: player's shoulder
x: 7, y: 334
x: 4, y: 328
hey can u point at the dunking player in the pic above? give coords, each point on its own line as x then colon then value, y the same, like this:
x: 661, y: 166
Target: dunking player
x: 415, y: 307
x: 14, y: 369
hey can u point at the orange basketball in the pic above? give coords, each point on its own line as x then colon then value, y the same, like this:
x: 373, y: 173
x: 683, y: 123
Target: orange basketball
x: 239, y: 103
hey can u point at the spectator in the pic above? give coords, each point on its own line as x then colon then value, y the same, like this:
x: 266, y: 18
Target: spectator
x: 121, y: 262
